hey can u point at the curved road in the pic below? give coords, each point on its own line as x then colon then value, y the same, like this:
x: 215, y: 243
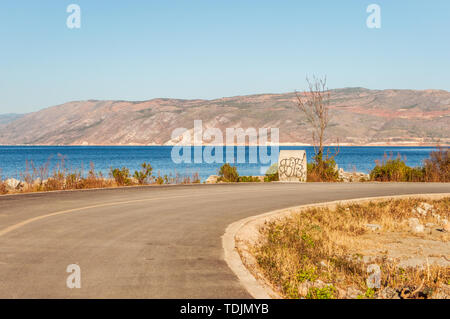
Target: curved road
x: 148, y: 242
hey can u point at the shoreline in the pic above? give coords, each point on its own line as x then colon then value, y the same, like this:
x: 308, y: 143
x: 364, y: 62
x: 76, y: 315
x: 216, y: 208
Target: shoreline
x: 251, y: 145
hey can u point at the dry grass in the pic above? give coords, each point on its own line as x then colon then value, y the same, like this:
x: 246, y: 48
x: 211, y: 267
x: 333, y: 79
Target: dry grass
x: 61, y: 177
x: 3, y: 189
x: 326, y: 246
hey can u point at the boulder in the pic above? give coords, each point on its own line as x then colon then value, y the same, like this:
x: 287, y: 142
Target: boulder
x: 353, y: 293
x: 413, y: 222
x: 212, y: 179
x: 353, y: 176
x: 423, y: 209
x: 389, y: 293
x: 13, y: 184
x: 415, y: 226
x: 427, y: 207
x: 417, y: 229
x: 420, y: 211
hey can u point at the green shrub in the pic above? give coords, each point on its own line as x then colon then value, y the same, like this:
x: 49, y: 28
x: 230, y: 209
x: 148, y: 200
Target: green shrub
x: 272, y: 173
x: 369, y: 294
x: 144, y: 175
x: 308, y: 274
x: 248, y: 179
x: 121, y: 176
x: 435, y: 169
x: 228, y: 173
x: 393, y: 170
x: 162, y: 180
x: 327, y: 292
x: 396, y: 170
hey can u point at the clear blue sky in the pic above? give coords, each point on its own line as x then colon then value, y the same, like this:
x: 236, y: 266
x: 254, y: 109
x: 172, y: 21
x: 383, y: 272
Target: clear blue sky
x: 136, y: 50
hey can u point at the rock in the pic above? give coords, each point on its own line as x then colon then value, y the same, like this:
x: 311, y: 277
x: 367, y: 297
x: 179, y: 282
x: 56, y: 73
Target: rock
x: 423, y: 209
x: 420, y: 211
x: 13, y: 184
x: 352, y: 176
x: 427, y: 207
x: 353, y: 293
x: 447, y: 228
x: 389, y: 293
x: 303, y: 288
x: 413, y: 221
x: 417, y: 229
x: 319, y: 284
x: 342, y: 294
x: 415, y: 225
x: 373, y: 227
x: 212, y: 179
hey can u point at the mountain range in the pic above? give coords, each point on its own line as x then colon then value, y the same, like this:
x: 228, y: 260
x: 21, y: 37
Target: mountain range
x: 359, y: 116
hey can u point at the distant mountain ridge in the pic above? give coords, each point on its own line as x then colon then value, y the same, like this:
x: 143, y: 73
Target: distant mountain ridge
x: 359, y: 117
x: 9, y: 117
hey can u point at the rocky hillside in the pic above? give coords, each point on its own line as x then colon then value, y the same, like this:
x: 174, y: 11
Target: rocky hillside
x: 7, y: 118
x: 359, y: 116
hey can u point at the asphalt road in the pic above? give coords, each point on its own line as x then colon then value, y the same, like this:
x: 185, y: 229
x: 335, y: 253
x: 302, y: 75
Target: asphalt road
x: 151, y: 242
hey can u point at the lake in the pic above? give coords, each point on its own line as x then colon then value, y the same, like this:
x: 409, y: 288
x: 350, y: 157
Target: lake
x: 13, y: 158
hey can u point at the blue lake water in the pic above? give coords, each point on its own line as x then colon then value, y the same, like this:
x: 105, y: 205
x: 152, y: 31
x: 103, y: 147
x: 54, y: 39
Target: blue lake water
x: 13, y: 158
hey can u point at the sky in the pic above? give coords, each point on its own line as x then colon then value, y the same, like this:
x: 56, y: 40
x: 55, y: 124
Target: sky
x: 139, y: 50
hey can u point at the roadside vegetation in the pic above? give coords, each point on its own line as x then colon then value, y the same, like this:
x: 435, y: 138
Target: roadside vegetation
x: 434, y: 169
x: 41, y: 179
x: 328, y: 253
x: 229, y: 174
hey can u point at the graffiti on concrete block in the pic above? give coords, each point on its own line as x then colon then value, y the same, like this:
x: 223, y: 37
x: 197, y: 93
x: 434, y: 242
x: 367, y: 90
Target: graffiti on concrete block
x: 293, y: 167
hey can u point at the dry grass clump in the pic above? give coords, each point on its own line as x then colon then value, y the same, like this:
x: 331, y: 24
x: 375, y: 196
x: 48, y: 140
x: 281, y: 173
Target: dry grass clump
x: 3, y: 189
x: 325, y: 246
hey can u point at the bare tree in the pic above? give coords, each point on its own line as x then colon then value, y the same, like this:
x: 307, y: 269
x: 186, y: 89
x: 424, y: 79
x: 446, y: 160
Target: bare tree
x: 315, y: 104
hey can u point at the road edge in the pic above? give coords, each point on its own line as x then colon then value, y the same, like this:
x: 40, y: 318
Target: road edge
x: 241, y: 233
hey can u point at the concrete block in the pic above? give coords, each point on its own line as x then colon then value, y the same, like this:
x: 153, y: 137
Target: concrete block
x: 292, y: 166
